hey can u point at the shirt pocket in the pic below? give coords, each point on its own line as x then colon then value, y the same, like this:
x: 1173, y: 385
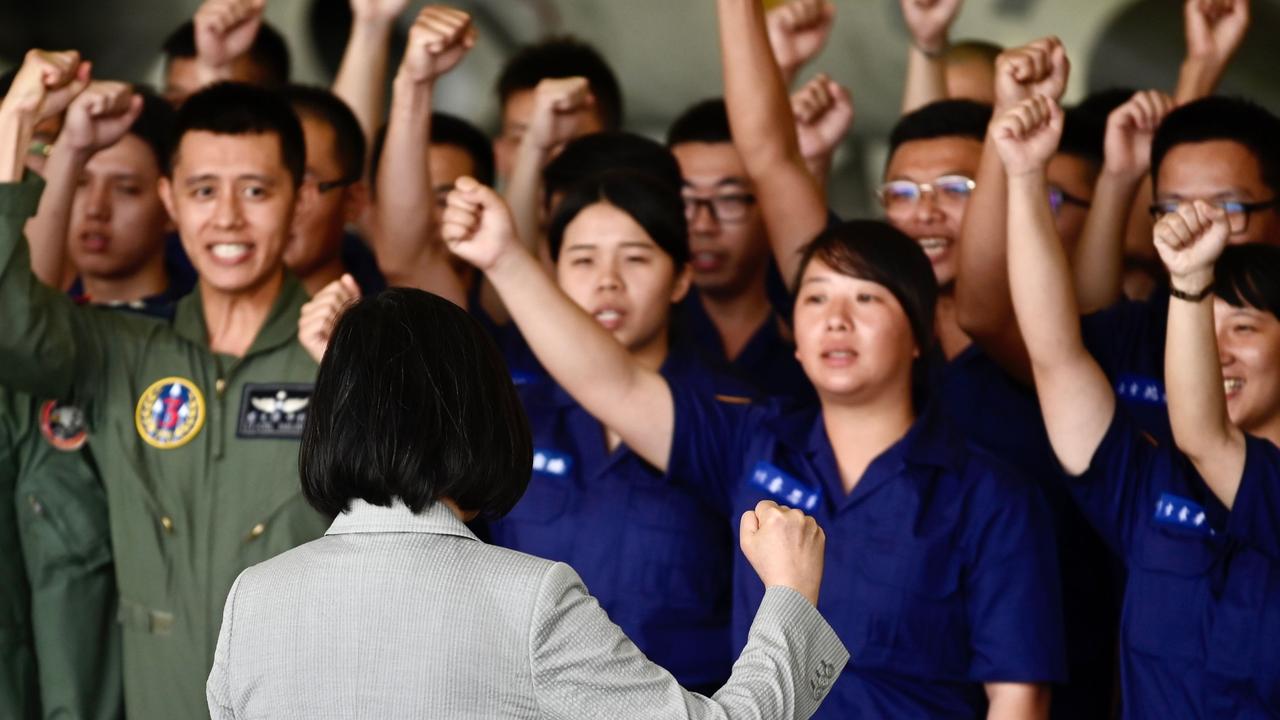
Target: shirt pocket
x: 64, y: 518
x: 1168, y: 595
x: 538, y: 525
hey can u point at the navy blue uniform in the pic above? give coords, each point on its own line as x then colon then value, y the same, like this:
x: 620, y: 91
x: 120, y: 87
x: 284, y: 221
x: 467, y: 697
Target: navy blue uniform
x: 1127, y: 340
x: 1201, y: 624
x: 940, y: 570
x: 654, y: 551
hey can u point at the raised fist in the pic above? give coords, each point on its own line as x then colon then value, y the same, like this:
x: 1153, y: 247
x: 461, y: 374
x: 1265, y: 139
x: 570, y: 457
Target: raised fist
x: 46, y: 83
x: 1027, y: 135
x: 477, y: 225
x: 320, y: 314
x: 225, y: 29
x: 785, y: 547
x: 439, y: 39
x: 1190, y: 241
x: 1130, y: 130
x: 1038, y: 68
x: 824, y: 114
x: 798, y: 30
x: 560, y: 110
x: 930, y: 22
x: 1215, y: 28
x: 98, y: 117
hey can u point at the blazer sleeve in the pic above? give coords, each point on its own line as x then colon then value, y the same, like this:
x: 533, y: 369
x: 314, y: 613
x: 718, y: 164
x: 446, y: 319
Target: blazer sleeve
x: 218, y: 689
x: 583, y: 666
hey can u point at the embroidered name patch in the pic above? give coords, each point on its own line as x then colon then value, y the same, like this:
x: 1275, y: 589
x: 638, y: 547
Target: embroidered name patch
x: 1181, y: 512
x: 1141, y: 389
x: 170, y: 413
x: 63, y: 426
x: 273, y: 412
x: 784, y: 488
x: 551, y: 462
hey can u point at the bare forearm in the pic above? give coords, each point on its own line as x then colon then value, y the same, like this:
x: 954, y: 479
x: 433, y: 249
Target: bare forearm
x: 1099, y: 256
x: 405, y: 202
x: 982, y: 282
x: 926, y: 80
x: 16, y: 130
x: 363, y: 72
x: 1039, y: 275
x: 47, y: 231
x: 1197, y: 78
x: 1017, y: 701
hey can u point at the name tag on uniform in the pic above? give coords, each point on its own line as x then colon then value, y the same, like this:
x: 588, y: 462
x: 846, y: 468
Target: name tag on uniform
x: 273, y: 412
x: 784, y: 488
x: 1181, y: 512
x: 550, y: 462
x: 1141, y: 389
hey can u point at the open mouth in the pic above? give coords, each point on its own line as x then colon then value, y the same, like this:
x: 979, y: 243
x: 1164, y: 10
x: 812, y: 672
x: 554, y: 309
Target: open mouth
x: 706, y: 261
x: 839, y: 358
x: 609, y: 318
x: 1232, y: 386
x: 230, y: 253
x: 94, y: 241
x: 934, y: 247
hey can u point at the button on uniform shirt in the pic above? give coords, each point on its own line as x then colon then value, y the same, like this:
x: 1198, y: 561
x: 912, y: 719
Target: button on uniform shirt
x: 1201, y: 631
x: 655, y: 551
x: 940, y: 571
x: 1127, y: 340
x: 197, y: 451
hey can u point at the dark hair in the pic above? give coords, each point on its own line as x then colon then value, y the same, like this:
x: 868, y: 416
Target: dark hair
x: 1083, y: 136
x: 269, y: 52
x: 413, y: 402
x: 239, y: 109
x: 655, y: 206
x: 878, y: 252
x: 945, y: 118
x: 593, y: 154
x: 1249, y: 275
x: 564, y: 57
x: 706, y: 122
x: 1222, y: 118
x: 448, y: 130
x: 154, y: 126
x: 322, y: 105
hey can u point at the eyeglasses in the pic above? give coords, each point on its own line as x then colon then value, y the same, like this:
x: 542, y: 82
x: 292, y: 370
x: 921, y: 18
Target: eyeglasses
x: 723, y: 208
x: 1059, y: 197
x: 903, y: 195
x: 1237, y: 212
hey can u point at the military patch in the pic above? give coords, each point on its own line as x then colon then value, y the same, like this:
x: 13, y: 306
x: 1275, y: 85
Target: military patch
x: 63, y: 426
x: 170, y: 413
x: 785, y: 489
x: 274, y: 411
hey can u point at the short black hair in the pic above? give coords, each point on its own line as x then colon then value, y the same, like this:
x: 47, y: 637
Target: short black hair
x: 449, y: 130
x: 1223, y: 118
x: 239, y: 109
x: 1083, y: 136
x: 593, y: 154
x: 564, y: 57
x: 1249, y: 275
x: 654, y: 205
x: 269, y: 52
x: 155, y: 126
x: 944, y: 118
x: 413, y: 402
x: 322, y: 105
x: 876, y: 251
x: 705, y: 122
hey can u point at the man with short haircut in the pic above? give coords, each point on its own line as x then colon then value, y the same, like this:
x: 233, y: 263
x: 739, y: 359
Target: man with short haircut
x: 197, y: 419
x: 226, y: 41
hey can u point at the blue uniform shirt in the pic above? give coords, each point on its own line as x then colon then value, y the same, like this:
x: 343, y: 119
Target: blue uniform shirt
x: 940, y: 571
x: 652, y: 550
x: 1201, y: 624
x: 1127, y: 340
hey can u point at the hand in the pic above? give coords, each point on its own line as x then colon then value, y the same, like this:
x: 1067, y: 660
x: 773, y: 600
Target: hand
x: 100, y: 116
x: 1215, y: 28
x: 785, y: 547
x: 1039, y: 68
x: 560, y: 109
x: 46, y: 83
x: 824, y: 114
x: 798, y: 30
x: 930, y: 22
x: 225, y: 30
x: 379, y: 12
x: 1130, y: 130
x: 438, y: 40
x: 1028, y: 135
x: 320, y: 314
x: 1190, y: 241
x: 477, y: 225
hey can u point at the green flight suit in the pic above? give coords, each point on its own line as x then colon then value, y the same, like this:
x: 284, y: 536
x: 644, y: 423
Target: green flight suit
x: 19, y: 695
x: 198, y: 453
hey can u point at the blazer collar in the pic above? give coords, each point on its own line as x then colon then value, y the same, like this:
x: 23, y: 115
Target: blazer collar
x: 363, y: 517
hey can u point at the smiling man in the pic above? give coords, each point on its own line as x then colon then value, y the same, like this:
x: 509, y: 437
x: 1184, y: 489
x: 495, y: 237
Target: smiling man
x: 199, y: 483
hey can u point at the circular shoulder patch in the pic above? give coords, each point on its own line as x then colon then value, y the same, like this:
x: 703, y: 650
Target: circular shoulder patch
x: 63, y: 426
x: 170, y: 413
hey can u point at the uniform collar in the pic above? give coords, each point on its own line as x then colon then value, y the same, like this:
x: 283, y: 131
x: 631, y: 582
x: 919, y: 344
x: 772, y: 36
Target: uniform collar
x: 930, y: 442
x: 280, y: 328
x: 363, y: 517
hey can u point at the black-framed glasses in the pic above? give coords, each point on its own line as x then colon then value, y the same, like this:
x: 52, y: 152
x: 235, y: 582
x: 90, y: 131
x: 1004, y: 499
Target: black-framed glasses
x: 1059, y: 197
x: 901, y: 195
x: 1237, y: 212
x: 723, y: 208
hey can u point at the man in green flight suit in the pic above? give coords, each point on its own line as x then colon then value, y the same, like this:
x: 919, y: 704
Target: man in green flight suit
x: 195, y: 422
x: 19, y: 694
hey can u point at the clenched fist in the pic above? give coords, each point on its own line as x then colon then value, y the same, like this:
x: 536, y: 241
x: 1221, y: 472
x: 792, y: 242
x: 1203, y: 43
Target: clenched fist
x: 785, y: 547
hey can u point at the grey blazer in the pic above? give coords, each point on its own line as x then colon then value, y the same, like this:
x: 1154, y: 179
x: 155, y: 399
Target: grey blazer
x: 392, y: 615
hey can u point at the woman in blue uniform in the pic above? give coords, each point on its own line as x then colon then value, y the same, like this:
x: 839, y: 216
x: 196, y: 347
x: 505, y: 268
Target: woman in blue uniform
x: 1194, y: 524
x: 941, y: 567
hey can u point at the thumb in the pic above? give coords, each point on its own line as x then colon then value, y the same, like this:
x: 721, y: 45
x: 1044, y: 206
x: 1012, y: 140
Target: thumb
x: 350, y: 285
x: 749, y: 526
